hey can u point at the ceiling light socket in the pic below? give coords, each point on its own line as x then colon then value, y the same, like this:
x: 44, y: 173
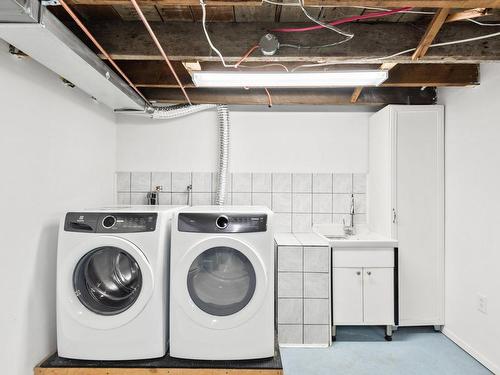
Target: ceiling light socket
x: 269, y: 44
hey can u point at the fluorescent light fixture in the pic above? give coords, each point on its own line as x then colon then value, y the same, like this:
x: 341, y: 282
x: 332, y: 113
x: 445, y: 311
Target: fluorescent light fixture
x: 340, y: 78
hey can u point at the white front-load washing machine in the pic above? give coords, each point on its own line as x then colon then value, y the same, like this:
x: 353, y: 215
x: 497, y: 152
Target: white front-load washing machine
x: 222, y: 283
x: 112, y: 283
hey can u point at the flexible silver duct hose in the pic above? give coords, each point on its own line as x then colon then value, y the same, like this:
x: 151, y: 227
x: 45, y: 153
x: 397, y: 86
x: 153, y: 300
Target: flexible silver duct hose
x: 223, y: 118
x: 180, y: 110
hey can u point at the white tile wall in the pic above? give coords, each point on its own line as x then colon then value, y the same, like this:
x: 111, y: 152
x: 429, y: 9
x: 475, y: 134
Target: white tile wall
x: 290, y: 284
x: 140, y: 181
x: 290, y: 259
x: 299, y: 200
x: 316, y: 285
x: 290, y: 310
x: 290, y: 333
x: 304, y: 312
x: 316, y: 334
x: 316, y: 311
x: 163, y: 179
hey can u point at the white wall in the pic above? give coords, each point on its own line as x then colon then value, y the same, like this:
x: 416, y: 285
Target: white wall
x: 472, y: 207
x: 267, y: 141
x: 57, y: 152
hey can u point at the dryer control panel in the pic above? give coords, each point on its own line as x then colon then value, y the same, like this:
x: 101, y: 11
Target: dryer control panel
x: 110, y: 222
x: 218, y: 222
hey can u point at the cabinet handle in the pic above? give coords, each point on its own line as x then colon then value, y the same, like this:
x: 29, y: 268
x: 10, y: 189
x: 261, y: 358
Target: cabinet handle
x: 393, y: 215
x: 358, y: 272
x: 368, y: 273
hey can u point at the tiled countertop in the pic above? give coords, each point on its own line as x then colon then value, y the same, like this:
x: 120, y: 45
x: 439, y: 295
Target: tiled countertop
x: 300, y: 239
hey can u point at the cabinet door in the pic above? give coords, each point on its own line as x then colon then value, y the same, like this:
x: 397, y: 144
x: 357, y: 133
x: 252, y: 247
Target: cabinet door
x: 378, y: 296
x: 347, y: 296
x: 418, y: 202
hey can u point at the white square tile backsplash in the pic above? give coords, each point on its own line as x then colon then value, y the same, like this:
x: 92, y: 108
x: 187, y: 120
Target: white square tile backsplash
x: 202, y: 182
x: 282, y: 182
x: 322, y: 183
x: 123, y: 181
x: 261, y: 182
x: 299, y: 200
x: 162, y: 179
x: 242, y: 182
x: 342, y: 183
x: 140, y: 181
x: 302, y: 182
x: 180, y: 181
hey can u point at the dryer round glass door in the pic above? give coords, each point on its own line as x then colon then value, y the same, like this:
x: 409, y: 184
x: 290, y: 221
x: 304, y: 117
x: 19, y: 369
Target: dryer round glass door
x: 107, y: 280
x: 221, y: 281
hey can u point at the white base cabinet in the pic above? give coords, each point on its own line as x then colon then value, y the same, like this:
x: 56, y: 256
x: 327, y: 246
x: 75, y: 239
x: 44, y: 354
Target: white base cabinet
x: 406, y: 203
x: 363, y: 286
x: 378, y: 296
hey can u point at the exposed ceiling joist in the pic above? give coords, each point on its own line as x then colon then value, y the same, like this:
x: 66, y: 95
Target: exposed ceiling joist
x: 369, y: 96
x: 356, y: 93
x: 339, y: 3
x: 467, y: 14
x: 186, y: 42
x: 410, y: 3
x: 432, y: 30
x: 155, y: 74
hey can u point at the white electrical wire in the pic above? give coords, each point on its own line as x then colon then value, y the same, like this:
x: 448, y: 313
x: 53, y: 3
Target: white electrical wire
x: 375, y: 8
x: 348, y: 6
x: 405, y: 51
x: 263, y: 66
x: 348, y: 36
x: 326, y: 25
x: 204, y: 23
x: 482, y: 23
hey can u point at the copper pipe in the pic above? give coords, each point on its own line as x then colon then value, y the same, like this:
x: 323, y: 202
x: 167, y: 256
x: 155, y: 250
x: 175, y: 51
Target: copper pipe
x: 98, y: 45
x: 269, y: 98
x: 157, y: 42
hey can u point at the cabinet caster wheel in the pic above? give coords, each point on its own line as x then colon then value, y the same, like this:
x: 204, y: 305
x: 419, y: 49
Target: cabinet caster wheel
x: 388, y: 338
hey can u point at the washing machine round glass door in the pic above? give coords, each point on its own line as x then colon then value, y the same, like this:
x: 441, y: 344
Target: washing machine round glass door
x: 107, y: 280
x: 221, y: 281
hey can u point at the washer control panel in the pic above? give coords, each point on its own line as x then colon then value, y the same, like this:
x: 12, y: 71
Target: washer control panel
x: 112, y: 222
x: 222, y: 223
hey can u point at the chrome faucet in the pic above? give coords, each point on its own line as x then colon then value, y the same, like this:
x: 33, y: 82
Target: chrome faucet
x: 189, y: 189
x: 349, y: 229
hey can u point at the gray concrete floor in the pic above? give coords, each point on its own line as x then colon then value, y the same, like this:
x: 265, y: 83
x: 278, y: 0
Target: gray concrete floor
x: 363, y: 351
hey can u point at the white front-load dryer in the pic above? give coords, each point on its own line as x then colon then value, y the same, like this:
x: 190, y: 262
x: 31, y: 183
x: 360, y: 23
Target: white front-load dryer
x: 112, y: 283
x: 222, y: 283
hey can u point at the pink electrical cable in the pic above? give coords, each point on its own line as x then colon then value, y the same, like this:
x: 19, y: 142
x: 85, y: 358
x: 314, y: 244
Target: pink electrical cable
x: 341, y: 21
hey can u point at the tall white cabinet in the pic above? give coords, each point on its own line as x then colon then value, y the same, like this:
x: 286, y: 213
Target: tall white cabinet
x: 406, y: 202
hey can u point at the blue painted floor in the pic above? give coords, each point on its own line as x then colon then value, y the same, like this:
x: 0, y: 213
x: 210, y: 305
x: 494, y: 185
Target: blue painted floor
x: 363, y: 350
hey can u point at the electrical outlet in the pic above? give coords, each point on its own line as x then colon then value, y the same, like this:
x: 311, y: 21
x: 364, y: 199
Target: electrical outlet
x: 482, y: 303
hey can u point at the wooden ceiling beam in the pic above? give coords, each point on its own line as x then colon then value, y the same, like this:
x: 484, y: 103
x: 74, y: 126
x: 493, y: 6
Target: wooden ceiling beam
x: 467, y: 14
x: 337, y: 3
x: 432, y: 30
x: 156, y: 74
x: 410, y: 3
x: 433, y: 75
x: 342, y: 96
x: 186, y: 42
